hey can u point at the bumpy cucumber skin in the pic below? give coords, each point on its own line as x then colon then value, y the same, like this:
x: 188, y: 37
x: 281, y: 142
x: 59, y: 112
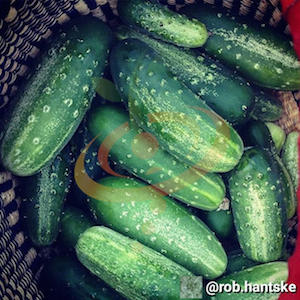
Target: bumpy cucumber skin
x: 260, y: 54
x: 258, y: 205
x: 65, y: 277
x: 277, y: 134
x: 165, y: 107
x: 224, y: 91
x: 73, y: 222
x: 274, y: 272
x: 290, y: 156
x: 238, y: 261
x: 134, y: 270
x: 137, y: 153
x: 142, y: 213
x: 53, y: 103
x: 163, y: 23
x: 266, y: 108
x: 44, y: 195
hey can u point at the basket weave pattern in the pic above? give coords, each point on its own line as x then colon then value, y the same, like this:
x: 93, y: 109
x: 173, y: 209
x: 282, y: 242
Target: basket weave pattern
x: 24, y: 27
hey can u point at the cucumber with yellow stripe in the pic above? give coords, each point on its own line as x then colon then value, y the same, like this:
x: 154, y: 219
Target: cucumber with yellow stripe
x: 139, y: 153
x: 263, y: 55
x: 160, y: 22
x: 139, y: 211
x: 160, y: 104
x: 258, y: 204
x: 223, y: 90
x: 52, y: 104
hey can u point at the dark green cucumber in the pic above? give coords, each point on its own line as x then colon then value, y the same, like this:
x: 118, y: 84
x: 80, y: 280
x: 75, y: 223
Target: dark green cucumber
x: 134, y: 270
x: 139, y: 154
x: 274, y: 272
x: 266, y: 107
x: 73, y: 222
x: 260, y: 54
x: 290, y: 156
x: 220, y: 221
x: 64, y: 277
x: 277, y: 134
x: 256, y: 133
x: 183, y: 124
x: 53, y: 103
x: 44, y: 195
x: 258, y: 205
x: 142, y: 213
x: 163, y: 23
x: 238, y: 261
x: 224, y: 91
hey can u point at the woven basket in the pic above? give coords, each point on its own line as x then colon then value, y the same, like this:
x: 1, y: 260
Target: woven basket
x: 24, y: 27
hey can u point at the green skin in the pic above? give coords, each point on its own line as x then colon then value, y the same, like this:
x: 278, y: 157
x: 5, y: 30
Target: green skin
x: 57, y: 96
x: 278, y: 135
x: 266, y: 108
x: 65, y: 277
x: 274, y: 272
x: 142, y: 213
x: 258, y: 205
x: 134, y: 270
x: 260, y: 54
x: 210, y: 80
x: 73, y: 223
x: 162, y: 23
x: 43, y: 195
x: 256, y: 133
x: 178, y: 117
x: 139, y: 155
x: 290, y: 157
x: 238, y: 261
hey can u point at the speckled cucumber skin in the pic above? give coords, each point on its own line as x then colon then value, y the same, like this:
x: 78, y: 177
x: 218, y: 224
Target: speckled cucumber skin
x: 142, y: 213
x: 58, y: 94
x: 258, y: 205
x: 163, y: 23
x: 183, y: 124
x: 290, y: 156
x: 139, y: 154
x: 65, y: 278
x: 238, y: 261
x: 73, y: 222
x: 43, y: 197
x: 224, y: 91
x: 260, y: 54
x: 134, y: 270
x: 266, y: 107
x: 274, y: 272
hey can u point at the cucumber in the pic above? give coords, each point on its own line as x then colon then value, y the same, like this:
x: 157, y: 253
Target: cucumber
x: 163, y: 23
x: 258, y: 205
x: 57, y: 96
x: 141, y: 212
x: 256, y: 133
x: 73, y: 222
x: 163, y: 106
x: 139, y: 154
x: 238, y: 261
x: 266, y: 107
x: 220, y: 221
x: 43, y: 195
x: 274, y: 272
x: 65, y: 277
x: 224, y: 91
x: 134, y: 270
x: 278, y: 135
x: 261, y: 54
x: 290, y: 156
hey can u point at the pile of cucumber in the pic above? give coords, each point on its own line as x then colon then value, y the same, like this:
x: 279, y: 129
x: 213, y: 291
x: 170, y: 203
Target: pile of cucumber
x: 186, y: 174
